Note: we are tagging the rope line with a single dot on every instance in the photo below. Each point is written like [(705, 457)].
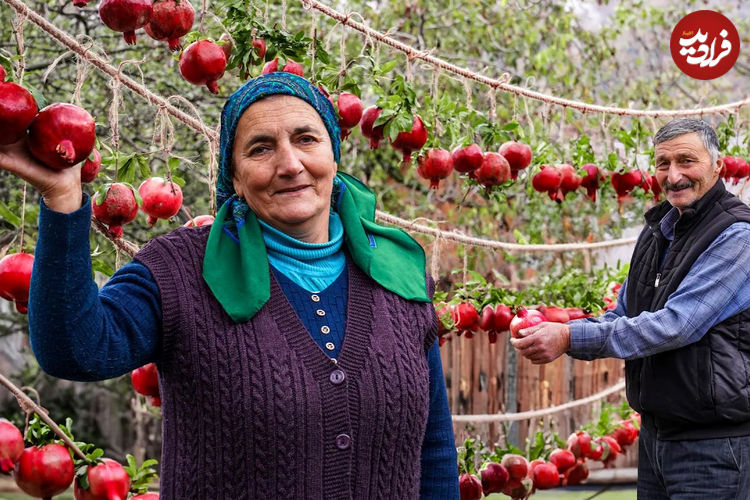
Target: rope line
[(527, 415), (413, 227), (502, 82)]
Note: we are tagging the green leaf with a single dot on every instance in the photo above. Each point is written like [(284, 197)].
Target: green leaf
[(173, 163), (178, 180), (100, 266), (7, 215)]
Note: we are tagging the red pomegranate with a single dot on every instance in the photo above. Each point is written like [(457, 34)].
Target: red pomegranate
[(563, 459), (62, 135), (91, 166), (350, 112), (260, 47), (579, 443), (570, 182), (294, 67), (375, 134), (126, 16), (203, 63), (625, 183), (80, 3), (146, 380), (17, 110), (466, 318), (576, 474), (525, 318), (467, 159), (201, 220), (518, 155), (107, 481), (545, 476), (15, 277), (470, 487), (547, 180), (495, 319), (555, 314), (117, 208), (655, 188), (170, 20), (591, 180), (516, 465), (161, 199), (493, 171), (271, 66), (435, 165), (731, 165), (743, 170), (11, 445), (44, 472), (494, 476), (412, 140)]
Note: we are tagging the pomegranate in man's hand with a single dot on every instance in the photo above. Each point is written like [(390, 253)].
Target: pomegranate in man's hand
[(62, 135), (525, 318)]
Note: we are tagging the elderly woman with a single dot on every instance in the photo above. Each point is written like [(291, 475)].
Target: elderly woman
[(295, 338)]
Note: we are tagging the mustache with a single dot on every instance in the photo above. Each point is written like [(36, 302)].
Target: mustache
[(668, 186)]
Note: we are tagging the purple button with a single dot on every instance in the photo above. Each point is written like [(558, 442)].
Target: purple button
[(337, 376), (343, 441)]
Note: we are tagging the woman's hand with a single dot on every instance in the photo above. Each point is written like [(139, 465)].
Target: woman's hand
[(61, 189)]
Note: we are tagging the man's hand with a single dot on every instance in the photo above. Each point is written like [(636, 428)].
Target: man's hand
[(543, 343)]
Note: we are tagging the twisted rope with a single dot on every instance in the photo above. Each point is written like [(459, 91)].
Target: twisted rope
[(502, 82), (528, 415)]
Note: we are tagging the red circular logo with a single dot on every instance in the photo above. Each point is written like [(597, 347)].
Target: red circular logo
[(705, 44)]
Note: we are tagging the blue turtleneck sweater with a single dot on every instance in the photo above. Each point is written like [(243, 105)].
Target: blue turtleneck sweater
[(131, 317)]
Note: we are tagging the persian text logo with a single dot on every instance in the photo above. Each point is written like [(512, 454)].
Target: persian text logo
[(705, 44)]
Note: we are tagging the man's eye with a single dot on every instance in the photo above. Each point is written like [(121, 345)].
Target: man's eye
[(258, 150)]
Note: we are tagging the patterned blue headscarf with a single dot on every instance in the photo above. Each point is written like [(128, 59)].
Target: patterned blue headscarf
[(279, 83)]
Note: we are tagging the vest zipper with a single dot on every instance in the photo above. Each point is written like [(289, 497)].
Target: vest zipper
[(656, 282)]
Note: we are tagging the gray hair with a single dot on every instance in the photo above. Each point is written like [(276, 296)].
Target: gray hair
[(682, 126)]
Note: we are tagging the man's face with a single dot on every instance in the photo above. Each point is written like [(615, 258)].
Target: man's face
[(684, 170)]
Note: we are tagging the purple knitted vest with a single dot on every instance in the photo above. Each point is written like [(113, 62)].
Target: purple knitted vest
[(258, 411)]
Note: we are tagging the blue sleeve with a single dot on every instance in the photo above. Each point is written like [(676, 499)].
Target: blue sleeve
[(439, 461), (77, 331), (715, 288)]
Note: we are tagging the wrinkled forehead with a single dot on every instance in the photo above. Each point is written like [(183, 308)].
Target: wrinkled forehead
[(277, 112), (685, 144)]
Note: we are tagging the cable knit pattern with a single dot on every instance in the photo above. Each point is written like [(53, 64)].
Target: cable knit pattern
[(251, 408)]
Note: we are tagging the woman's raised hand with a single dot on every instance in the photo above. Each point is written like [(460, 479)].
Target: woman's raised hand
[(61, 189)]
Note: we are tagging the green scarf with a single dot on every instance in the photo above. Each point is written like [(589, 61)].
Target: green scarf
[(238, 275)]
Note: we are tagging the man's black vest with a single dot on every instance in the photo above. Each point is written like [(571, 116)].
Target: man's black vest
[(701, 390)]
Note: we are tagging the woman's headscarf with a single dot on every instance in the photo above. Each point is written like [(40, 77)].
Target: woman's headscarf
[(235, 265)]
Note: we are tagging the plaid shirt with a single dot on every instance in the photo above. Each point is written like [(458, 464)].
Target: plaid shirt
[(716, 288)]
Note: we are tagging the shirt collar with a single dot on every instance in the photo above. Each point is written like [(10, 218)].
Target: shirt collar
[(667, 223)]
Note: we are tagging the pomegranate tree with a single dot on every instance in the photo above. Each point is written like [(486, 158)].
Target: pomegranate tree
[(161, 199), (434, 166), (170, 20), (15, 277), (467, 159), (44, 471), (411, 140), (525, 318), (126, 16), (17, 109), (62, 135), (115, 205), (91, 166), (107, 480), (11, 445), (350, 112), (374, 134), (518, 155), (203, 63)]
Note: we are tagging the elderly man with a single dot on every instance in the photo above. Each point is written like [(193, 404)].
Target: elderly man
[(682, 324)]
